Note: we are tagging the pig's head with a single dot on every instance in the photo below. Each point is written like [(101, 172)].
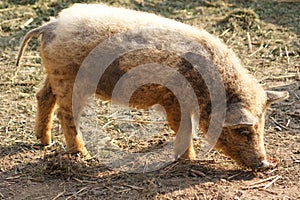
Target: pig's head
[(242, 137)]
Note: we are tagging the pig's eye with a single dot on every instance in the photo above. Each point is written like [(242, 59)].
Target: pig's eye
[(242, 131)]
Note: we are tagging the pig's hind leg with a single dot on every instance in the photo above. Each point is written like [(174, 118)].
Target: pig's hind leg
[(45, 107), (69, 118)]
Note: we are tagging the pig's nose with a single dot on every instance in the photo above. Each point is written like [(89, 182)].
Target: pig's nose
[(263, 164)]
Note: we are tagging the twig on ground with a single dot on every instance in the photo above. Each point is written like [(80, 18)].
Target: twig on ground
[(277, 123), (259, 49), (119, 191), (273, 170), (234, 175), (133, 187), (291, 75), (259, 185), (197, 172), (59, 195), (224, 32), (106, 124), (84, 181), (273, 181), (170, 167), (287, 55), (29, 21), (263, 180), (249, 41), (12, 177), (288, 123), (73, 195)]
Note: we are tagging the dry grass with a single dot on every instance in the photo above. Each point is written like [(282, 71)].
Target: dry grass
[(265, 35)]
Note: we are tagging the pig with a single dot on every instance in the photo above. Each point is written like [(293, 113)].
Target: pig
[(67, 40)]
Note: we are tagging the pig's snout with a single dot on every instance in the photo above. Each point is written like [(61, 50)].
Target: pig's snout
[(264, 164)]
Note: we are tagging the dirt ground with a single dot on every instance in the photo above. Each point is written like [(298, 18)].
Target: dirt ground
[(265, 35)]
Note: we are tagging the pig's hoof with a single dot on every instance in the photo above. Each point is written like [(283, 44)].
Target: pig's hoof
[(40, 146), (86, 155), (82, 152), (45, 140), (188, 156)]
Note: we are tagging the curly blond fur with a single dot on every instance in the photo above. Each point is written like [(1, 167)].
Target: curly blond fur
[(67, 40)]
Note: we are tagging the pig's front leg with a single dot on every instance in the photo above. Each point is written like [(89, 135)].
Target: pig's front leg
[(183, 144), (184, 128)]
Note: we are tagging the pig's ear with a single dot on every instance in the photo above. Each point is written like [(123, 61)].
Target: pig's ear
[(237, 115), (274, 96)]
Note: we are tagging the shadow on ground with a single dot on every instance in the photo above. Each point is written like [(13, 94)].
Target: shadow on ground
[(69, 175)]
